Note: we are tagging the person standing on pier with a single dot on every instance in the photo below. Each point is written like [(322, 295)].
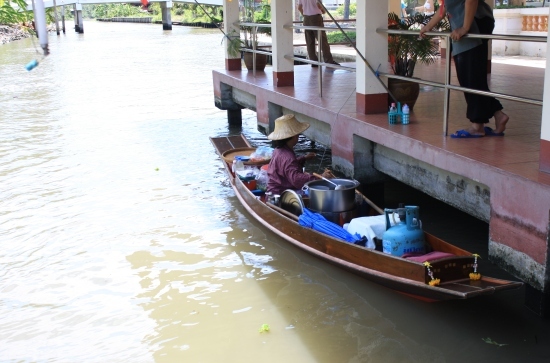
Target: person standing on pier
[(313, 16), (470, 56)]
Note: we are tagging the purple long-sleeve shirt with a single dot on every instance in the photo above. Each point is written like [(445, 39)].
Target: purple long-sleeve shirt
[(285, 171)]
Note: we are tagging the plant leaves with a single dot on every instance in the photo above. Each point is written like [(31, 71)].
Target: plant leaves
[(410, 49)]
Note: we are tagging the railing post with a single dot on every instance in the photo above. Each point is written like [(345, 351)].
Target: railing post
[(447, 92), (320, 68), (254, 40)]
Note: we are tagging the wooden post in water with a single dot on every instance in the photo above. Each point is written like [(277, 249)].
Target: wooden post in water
[(55, 17), (63, 18)]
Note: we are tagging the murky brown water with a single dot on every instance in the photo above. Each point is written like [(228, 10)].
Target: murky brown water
[(122, 241)]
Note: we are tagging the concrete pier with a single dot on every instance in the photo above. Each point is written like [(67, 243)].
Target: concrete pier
[(496, 179)]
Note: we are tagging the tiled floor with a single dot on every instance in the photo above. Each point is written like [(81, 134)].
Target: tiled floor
[(517, 152)]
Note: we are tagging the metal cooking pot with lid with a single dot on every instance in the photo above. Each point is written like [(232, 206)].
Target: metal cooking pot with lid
[(324, 198)]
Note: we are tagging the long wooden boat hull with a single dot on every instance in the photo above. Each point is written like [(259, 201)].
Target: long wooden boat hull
[(402, 275)]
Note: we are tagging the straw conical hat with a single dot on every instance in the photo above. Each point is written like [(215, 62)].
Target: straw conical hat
[(287, 126)]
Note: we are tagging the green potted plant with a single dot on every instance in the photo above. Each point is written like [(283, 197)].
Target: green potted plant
[(405, 51)]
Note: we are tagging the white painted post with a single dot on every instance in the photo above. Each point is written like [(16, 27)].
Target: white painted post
[(230, 17), (40, 24), (165, 7), (282, 41), (79, 22), (371, 94)]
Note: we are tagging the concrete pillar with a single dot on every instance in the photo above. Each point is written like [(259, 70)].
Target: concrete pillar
[(235, 117), (544, 163), (165, 7), (363, 156), (230, 17), (78, 21), (274, 112), (224, 101), (371, 96), (283, 69)]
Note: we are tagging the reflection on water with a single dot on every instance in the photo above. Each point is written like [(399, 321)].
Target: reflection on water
[(122, 240)]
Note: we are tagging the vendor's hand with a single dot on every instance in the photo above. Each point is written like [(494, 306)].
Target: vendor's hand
[(328, 174), (423, 30), (310, 156)]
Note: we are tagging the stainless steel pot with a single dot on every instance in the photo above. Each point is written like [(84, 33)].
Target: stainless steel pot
[(323, 197)]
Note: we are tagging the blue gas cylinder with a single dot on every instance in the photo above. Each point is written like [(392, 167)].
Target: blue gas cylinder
[(405, 236)]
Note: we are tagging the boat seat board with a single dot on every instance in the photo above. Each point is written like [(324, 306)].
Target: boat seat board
[(225, 143)]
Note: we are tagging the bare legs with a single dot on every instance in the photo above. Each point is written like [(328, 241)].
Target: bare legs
[(501, 119)]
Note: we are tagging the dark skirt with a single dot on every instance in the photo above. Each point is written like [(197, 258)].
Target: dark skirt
[(471, 70)]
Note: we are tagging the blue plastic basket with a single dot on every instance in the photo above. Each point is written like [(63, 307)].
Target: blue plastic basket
[(392, 117)]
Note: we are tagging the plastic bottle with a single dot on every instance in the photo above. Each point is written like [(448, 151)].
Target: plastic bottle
[(31, 65), (405, 116), (233, 166), (392, 115), (239, 164)]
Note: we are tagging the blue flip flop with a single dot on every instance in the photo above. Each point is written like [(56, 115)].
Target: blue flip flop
[(463, 134), (490, 132)]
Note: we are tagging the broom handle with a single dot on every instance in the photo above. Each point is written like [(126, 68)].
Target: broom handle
[(369, 202)]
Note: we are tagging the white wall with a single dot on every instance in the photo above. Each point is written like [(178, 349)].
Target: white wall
[(509, 21)]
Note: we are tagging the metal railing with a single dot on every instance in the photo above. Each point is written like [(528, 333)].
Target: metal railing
[(319, 64), (319, 30), (446, 85), (254, 41)]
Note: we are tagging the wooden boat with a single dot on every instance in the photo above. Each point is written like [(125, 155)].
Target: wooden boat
[(397, 273)]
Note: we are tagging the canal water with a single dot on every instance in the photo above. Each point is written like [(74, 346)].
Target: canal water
[(122, 240)]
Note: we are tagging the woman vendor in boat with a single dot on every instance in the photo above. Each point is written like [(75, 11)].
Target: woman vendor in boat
[(285, 168)]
